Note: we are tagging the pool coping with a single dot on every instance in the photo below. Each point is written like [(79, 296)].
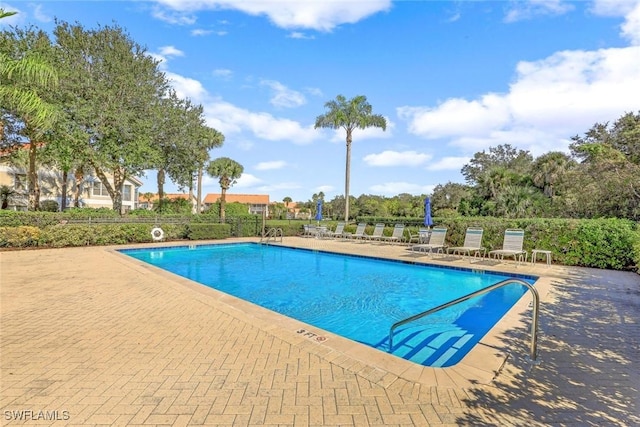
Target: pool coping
[(479, 366)]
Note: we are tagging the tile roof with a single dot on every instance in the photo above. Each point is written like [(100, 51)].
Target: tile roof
[(258, 199)]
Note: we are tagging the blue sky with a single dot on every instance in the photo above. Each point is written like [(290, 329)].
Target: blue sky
[(452, 78)]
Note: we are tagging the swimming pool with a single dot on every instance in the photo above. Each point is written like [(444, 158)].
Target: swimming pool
[(353, 296)]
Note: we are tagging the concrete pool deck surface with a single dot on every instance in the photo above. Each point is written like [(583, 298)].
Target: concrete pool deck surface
[(92, 337)]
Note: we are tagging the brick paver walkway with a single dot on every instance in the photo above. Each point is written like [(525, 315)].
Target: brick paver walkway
[(91, 338)]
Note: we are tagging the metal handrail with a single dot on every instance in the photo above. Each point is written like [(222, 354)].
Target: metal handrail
[(534, 321), (273, 232)]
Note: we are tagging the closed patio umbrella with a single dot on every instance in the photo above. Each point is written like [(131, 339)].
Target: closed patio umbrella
[(319, 210), (428, 221)]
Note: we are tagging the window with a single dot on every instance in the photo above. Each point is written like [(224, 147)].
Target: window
[(99, 189), (20, 182), (126, 193)]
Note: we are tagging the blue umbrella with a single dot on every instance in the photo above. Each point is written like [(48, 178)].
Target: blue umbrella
[(428, 221), (319, 210)]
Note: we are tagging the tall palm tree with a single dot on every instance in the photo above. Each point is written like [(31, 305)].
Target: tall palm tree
[(349, 115), (227, 171)]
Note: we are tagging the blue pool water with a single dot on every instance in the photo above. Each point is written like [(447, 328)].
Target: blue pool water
[(355, 297)]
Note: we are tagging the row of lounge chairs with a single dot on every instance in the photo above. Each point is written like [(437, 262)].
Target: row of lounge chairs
[(359, 234), (472, 246), (431, 241)]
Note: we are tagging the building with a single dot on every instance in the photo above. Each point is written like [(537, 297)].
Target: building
[(256, 203), (92, 192)]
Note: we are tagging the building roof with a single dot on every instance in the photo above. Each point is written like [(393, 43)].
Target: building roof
[(257, 199)]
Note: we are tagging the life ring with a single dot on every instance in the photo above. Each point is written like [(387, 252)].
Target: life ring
[(157, 233)]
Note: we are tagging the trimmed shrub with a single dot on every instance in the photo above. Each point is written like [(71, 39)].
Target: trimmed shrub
[(19, 237), (208, 231)]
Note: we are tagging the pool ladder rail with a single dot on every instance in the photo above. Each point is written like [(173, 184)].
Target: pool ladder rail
[(534, 321), (273, 233)]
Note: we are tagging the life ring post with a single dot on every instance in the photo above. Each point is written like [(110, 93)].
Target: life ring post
[(157, 234)]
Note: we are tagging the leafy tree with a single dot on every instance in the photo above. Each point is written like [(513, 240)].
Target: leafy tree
[(607, 181), (227, 171), (355, 113), (183, 142), (503, 156), (449, 196), (121, 88)]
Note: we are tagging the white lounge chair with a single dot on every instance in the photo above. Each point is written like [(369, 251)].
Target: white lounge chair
[(338, 232), (472, 244), (511, 246), (396, 236), (377, 233), (436, 242), (359, 233)]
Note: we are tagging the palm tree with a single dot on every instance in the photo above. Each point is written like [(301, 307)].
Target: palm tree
[(227, 171), (21, 80), (18, 78), (548, 169), (349, 115)]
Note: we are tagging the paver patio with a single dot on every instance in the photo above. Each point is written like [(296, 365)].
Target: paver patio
[(92, 337)]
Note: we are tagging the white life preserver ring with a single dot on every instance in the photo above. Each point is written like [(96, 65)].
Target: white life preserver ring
[(157, 233)]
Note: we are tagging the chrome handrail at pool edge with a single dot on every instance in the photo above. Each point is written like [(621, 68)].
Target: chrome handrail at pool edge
[(273, 232), (534, 320)]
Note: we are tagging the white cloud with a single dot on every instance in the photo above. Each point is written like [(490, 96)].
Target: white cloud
[(549, 101), (171, 17), (186, 87), (629, 10), (631, 26), (316, 15), (397, 158), (314, 91), (40, 15), (200, 32), (395, 188), (275, 164), (170, 51), (229, 119), (247, 180), (325, 189), (456, 116), (448, 163), (283, 96), (522, 10), (299, 35), (279, 187), (223, 73)]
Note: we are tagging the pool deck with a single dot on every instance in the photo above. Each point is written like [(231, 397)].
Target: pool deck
[(93, 337)]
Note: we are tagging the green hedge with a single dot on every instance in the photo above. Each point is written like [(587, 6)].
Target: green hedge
[(208, 231), (602, 243)]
